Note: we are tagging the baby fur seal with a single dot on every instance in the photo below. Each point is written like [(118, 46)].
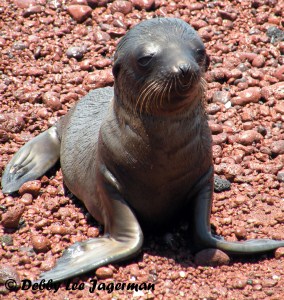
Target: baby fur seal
[(141, 160)]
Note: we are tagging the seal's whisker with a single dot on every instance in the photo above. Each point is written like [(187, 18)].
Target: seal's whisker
[(146, 95), (169, 92), (157, 94), (149, 98), (165, 91), (177, 86), (146, 88)]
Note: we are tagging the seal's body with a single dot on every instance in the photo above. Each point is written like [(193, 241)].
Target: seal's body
[(139, 154)]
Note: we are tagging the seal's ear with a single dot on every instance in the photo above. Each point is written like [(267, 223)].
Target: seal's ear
[(115, 69), (116, 65), (207, 62)]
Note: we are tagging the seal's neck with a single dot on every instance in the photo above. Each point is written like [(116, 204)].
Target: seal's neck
[(181, 111), (165, 126)]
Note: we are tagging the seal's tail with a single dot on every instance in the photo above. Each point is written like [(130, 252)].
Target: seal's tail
[(123, 241), (91, 254), (204, 237), (32, 160)]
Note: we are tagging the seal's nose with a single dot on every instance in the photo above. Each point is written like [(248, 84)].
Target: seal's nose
[(184, 69)]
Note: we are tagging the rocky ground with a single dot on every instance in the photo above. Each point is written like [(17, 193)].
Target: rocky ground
[(53, 52)]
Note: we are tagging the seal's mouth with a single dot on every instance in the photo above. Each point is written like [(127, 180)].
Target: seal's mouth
[(171, 93)]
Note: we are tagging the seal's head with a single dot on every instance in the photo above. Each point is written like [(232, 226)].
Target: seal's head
[(163, 59)]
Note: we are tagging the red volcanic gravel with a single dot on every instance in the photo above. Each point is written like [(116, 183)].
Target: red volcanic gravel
[(53, 52)]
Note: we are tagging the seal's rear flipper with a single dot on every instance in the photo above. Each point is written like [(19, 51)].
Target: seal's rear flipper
[(204, 237), (82, 257), (32, 160)]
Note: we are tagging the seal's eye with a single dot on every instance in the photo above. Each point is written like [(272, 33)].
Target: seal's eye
[(200, 52), (144, 60)]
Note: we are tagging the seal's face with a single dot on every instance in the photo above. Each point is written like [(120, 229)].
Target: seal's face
[(163, 59)]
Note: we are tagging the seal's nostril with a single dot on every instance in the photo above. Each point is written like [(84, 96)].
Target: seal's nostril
[(184, 69)]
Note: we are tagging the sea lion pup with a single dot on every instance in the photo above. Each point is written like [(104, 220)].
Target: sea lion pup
[(143, 159)]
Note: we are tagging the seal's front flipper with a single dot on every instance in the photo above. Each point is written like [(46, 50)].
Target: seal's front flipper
[(124, 241), (204, 237), (32, 160)]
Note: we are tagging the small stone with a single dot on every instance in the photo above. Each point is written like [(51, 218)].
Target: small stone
[(102, 63), (25, 3), (11, 218), (213, 108), (182, 274), (52, 204), (51, 99), (79, 2), (217, 151), (279, 73), (48, 263), (280, 176), (221, 96), (117, 32), (99, 3), (258, 61), (277, 147), (226, 221), (197, 24), (269, 282), (134, 270), (79, 12), (279, 252), (104, 273), (273, 91), (58, 229), (143, 4), (279, 218), (40, 224), (86, 65), (101, 37), (100, 78), (221, 184), (37, 52), (64, 212), (252, 94), (42, 113), (31, 187), (262, 130), (249, 137), (124, 7), (4, 136), (219, 138), (232, 16), (230, 170), (93, 232), (239, 283), (241, 233), (20, 45), (76, 52), (9, 273), (215, 128), (27, 199), (279, 108), (69, 97), (24, 96), (174, 276), (6, 240), (275, 34), (211, 257), (32, 10), (40, 243)]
